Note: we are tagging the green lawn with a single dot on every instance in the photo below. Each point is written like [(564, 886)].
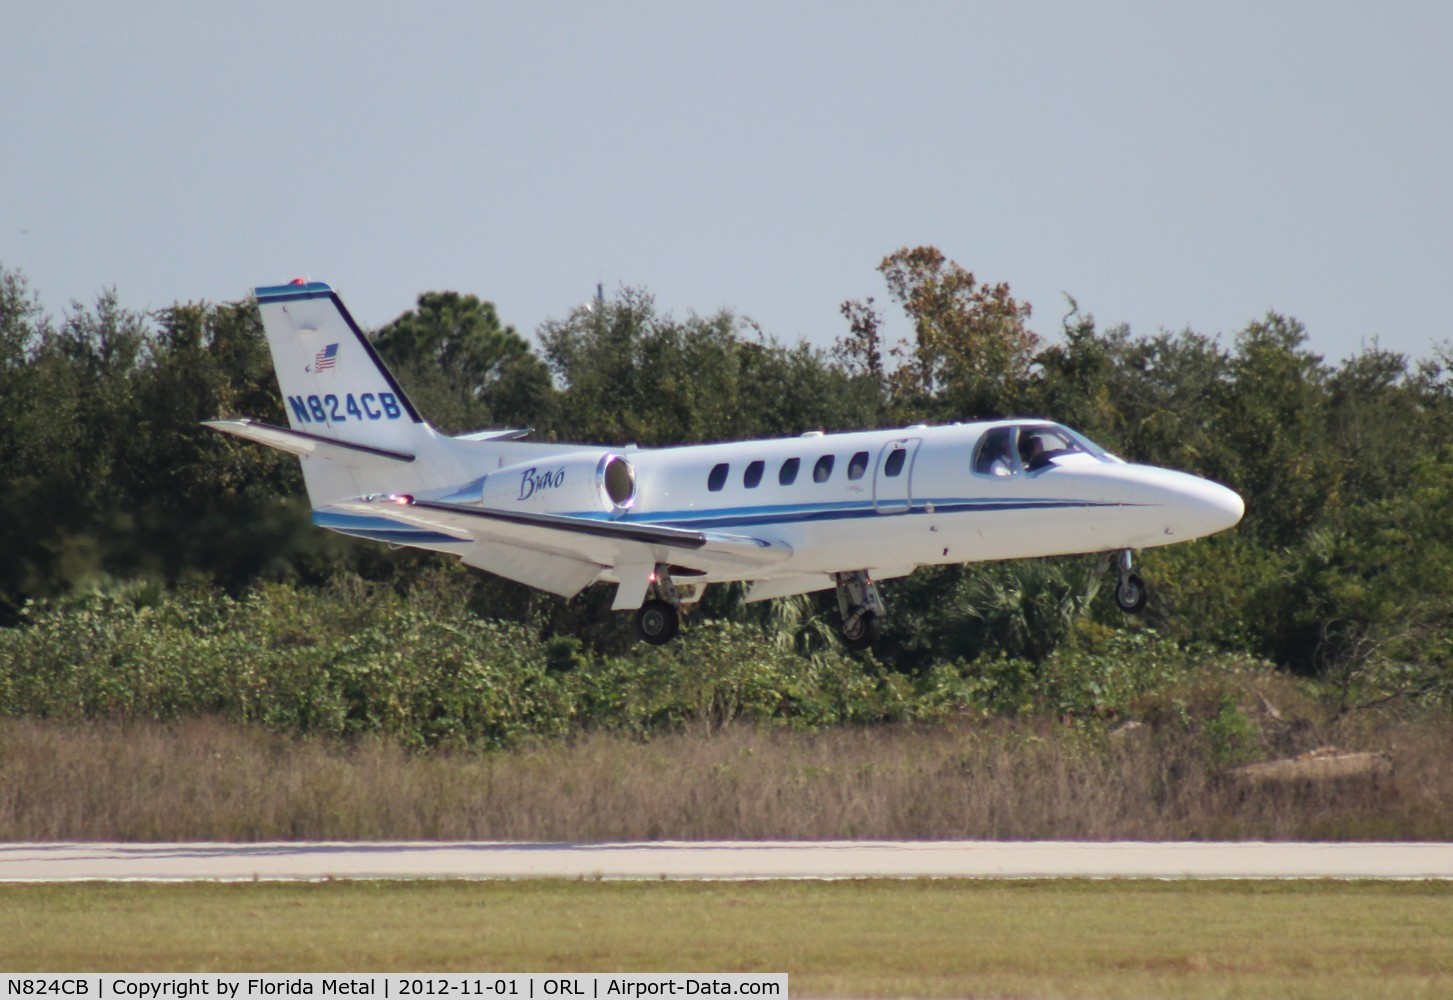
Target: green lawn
[(868, 938)]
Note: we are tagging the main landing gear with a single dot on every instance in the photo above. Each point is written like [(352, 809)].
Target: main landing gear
[(1130, 590), (657, 622), (659, 618), (862, 608)]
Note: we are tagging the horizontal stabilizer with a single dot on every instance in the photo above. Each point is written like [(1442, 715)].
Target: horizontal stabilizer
[(302, 443), (506, 435)]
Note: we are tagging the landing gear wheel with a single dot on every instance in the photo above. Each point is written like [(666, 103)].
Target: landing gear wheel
[(657, 622), (864, 632), (1130, 594)]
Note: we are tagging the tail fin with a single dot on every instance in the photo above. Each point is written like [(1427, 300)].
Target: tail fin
[(348, 420), (336, 389), (332, 380)]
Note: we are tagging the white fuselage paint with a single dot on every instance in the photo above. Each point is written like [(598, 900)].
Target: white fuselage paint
[(918, 496), (937, 510)]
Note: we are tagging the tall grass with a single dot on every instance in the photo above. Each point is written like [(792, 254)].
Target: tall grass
[(210, 780)]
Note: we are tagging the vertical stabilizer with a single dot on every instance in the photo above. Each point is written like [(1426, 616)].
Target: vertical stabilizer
[(335, 386), (332, 380)]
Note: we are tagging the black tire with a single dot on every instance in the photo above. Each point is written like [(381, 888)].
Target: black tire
[(1130, 594), (866, 631), (657, 622)]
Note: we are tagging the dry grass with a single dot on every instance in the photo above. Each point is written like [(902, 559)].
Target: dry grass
[(869, 938), (208, 780)]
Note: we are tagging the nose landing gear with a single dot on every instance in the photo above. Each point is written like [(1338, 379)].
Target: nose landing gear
[(861, 607), (1130, 589)]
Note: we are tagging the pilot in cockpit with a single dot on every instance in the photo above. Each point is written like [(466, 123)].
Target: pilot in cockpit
[(1031, 447), (1003, 464)]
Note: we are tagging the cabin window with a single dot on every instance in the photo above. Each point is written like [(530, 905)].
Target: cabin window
[(858, 465), (822, 470), (894, 465), (718, 477), (752, 478), (787, 475)]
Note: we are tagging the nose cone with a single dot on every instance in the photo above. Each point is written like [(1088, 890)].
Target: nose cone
[(1181, 506), (1215, 507)]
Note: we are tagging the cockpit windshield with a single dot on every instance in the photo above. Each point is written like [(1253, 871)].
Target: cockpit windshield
[(1024, 448)]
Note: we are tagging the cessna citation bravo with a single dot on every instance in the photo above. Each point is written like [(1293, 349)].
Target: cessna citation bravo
[(790, 516)]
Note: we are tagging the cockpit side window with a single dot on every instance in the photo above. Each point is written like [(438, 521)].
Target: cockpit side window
[(1008, 451), (1041, 444), (995, 456), (1038, 446)]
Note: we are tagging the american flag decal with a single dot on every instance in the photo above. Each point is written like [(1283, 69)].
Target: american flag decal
[(327, 358)]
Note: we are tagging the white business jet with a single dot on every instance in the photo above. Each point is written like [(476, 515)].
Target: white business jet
[(790, 515)]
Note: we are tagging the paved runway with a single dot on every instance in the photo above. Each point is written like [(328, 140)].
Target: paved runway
[(721, 860)]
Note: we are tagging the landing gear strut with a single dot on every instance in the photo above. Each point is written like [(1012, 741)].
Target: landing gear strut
[(659, 618), (862, 608), (1130, 590)]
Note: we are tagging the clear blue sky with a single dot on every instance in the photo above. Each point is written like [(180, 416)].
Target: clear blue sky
[(1169, 165)]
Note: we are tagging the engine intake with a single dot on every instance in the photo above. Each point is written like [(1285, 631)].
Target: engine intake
[(589, 481), (618, 480)]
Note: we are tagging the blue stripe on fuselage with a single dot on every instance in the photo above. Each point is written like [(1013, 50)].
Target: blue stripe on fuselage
[(386, 530), (744, 517)]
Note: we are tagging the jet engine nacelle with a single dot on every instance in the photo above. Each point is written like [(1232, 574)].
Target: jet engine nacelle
[(589, 481)]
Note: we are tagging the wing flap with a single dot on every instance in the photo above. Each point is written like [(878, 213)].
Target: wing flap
[(548, 571)]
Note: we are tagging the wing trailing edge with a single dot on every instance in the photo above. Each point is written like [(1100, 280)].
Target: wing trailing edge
[(588, 546)]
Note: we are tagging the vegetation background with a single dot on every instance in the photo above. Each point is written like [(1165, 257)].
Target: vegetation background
[(151, 569)]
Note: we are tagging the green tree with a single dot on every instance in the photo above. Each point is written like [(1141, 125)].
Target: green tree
[(1078, 377), (74, 400), (1283, 463), (972, 353), (463, 367), (1367, 596), (1382, 418), (629, 374)]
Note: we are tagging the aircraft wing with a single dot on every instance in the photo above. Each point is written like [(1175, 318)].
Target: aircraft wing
[(562, 553)]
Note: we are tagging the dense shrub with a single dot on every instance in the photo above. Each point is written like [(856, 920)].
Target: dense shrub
[(349, 661), (340, 663)]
